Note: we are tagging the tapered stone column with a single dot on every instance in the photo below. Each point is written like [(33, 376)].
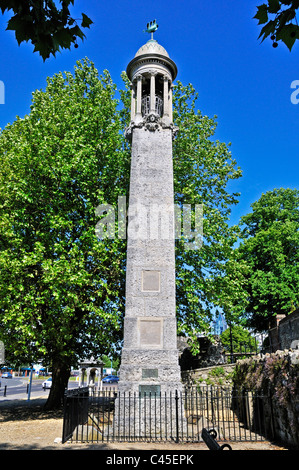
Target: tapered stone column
[(149, 361), (149, 357)]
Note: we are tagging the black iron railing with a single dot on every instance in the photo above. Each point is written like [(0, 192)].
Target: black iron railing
[(95, 416), (76, 410)]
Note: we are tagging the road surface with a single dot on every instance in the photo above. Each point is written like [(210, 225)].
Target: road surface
[(16, 388)]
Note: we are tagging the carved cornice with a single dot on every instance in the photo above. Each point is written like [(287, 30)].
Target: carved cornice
[(152, 123)]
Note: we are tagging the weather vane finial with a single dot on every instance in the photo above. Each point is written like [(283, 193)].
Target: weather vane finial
[(151, 27)]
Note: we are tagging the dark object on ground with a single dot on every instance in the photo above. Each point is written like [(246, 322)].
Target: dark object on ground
[(209, 436)]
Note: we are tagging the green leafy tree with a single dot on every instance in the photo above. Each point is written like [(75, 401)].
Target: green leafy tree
[(62, 289), (203, 168), (279, 21), (210, 276), (107, 362), (270, 247), (237, 339), (49, 28)]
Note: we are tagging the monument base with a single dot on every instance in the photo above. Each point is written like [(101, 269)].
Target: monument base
[(150, 401), (149, 416)]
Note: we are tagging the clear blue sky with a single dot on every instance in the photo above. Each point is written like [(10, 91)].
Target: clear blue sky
[(215, 46)]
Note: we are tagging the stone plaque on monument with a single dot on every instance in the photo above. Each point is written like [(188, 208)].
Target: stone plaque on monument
[(150, 281), (149, 373), (150, 332), (146, 390)]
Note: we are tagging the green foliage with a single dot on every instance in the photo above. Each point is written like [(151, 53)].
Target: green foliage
[(216, 377), (107, 362), (49, 28), (202, 170), (61, 289), (270, 247), (241, 338), (283, 25)]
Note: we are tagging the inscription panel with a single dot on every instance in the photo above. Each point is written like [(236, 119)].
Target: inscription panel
[(147, 390), (150, 332), (151, 281), (149, 373)]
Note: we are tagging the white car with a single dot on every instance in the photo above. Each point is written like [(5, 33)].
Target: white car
[(47, 383)]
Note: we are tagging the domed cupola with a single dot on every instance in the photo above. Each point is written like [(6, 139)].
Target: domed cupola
[(151, 47), (151, 73)]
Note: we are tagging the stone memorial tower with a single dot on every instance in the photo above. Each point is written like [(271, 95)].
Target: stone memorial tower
[(149, 361)]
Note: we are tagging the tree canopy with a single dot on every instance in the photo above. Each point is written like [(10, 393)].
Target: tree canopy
[(279, 21), (203, 167), (270, 249), (62, 289), (238, 339), (48, 27)]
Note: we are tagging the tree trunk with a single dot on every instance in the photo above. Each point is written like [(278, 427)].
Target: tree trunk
[(60, 377)]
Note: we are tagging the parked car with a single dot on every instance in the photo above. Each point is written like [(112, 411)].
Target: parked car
[(6, 375), (47, 383), (110, 379)]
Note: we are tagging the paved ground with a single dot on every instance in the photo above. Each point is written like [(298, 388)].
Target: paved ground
[(25, 426)]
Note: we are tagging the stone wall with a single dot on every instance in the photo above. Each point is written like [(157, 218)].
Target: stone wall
[(285, 334), (275, 375), (288, 331), (210, 353), (220, 375)]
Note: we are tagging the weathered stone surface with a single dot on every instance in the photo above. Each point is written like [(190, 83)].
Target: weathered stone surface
[(274, 375), (150, 342), (151, 281), (150, 332), (150, 319)]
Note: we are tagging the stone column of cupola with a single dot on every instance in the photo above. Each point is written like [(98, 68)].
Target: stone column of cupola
[(136, 97), (170, 113), (152, 91), (133, 102), (166, 102), (139, 97)]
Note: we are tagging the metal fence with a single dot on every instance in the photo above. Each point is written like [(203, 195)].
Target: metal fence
[(101, 416)]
